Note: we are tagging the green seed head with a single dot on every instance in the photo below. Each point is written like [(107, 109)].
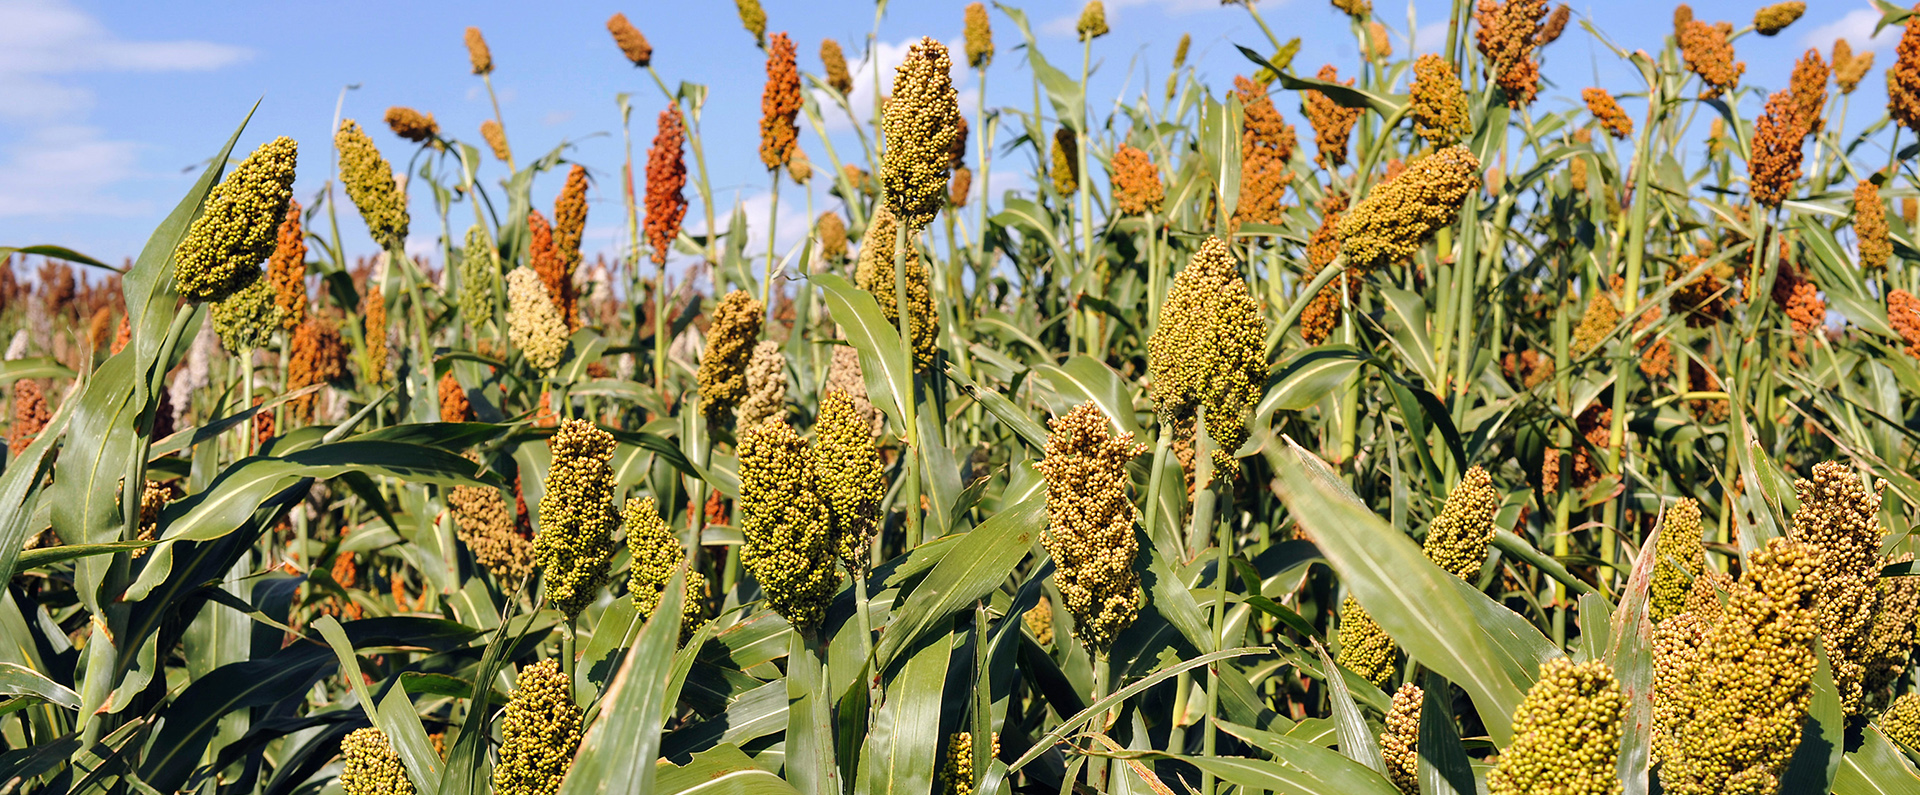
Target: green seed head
[(656, 553), (1901, 722), (369, 765), (979, 36), (874, 273), (539, 732), (246, 319), (1365, 648), (1093, 21), (922, 121), (1457, 539), (238, 227), (1209, 350), (1566, 734), (790, 544), (1680, 559), (575, 544), (852, 482), (1090, 523), (957, 778), (479, 278), (370, 184)]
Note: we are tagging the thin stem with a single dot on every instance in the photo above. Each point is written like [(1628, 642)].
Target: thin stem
[(500, 120), (1157, 478), (910, 402), (773, 220)]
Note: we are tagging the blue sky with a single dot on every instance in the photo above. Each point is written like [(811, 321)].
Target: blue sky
[(107, 109)]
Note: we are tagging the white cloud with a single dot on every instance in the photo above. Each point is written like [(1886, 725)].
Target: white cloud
[(1431, 37), (56, 164), (557, 118), (891, 56), (1068, 25), (793, 224), (1857, 28), (62, 170)]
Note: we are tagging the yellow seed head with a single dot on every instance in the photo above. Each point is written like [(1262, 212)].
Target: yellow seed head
[(477, 52), (630, 40), (496, 138), (979, 36), (486, 525), (575, 544), (1771, 20), (1090, 523), (1439, 104), (412, 124), (1870, 226), (539, 732), (1901, 722), (479, 278), (238, 227), (370, 183), (1838, 517), (754, 19), (1093, 21), (1399, 215), (922, 119), (1039, 621), (835, 62), (730, 338)]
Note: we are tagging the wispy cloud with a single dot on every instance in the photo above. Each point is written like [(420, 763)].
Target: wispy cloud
[(1857, 28), (55, 163)]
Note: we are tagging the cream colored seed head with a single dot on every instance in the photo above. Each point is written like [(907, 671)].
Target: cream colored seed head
[(369, 765), (238, 227), (789, 539), (575, 544), (539, 732), (1090, 523), (766, 385), (1566, 734), (922, 119), (1457, 539), (1398, 216), (534, 325)]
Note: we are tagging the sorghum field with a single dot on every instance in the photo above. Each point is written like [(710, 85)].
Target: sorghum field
[(1452, 445)]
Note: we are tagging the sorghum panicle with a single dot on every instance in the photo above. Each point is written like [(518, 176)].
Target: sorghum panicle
[(287, 268), (477, 53), (246, 319), (534, 324), (369, 765), (488, 527), (370, 184), (1093, 21), (1400, 739), (1090, 523), (373, 332), (1901, 722), (831, 232), (1267, 142), (1870, 226), (1838, 517), (630, 40), (539, 732), (1398, 216), (766, 385), (666, 181), (874, 273), (656, 553), (1065, 162), (979, 36), (1607, 112), (575, 544), (1332, 122), (1365, 648), (496, 138), (1439, 102), (1849, 68), (730, 338), (789, 539), (1136, 182), (1679, 559), (1508, 37), (412, 125), (779, 104), (920, 124), (1566, 734), (852, 482), (1709, 54), (1457, 539), (1769, 21), (835, 61), (754, 19), (479, 277), (238, 226)]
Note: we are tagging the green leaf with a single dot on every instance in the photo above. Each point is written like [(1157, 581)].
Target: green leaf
[(55, 252), (1299, 767), (400, 720), (1412, 599), (999, 406), (1444, 766), (991, 551), (47, 556), (1631, 658), (33, 367), (1084, 378), (900, 751), (196, 712), (1877, 768), (19, 680), (723, 770), (617, 755), (1387, 105), (883, 357), (1311, 375), (1356, 740), (1104, 705)]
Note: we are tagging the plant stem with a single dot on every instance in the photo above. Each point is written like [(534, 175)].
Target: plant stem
[(909, 402), (773, 220), (499, 119)]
